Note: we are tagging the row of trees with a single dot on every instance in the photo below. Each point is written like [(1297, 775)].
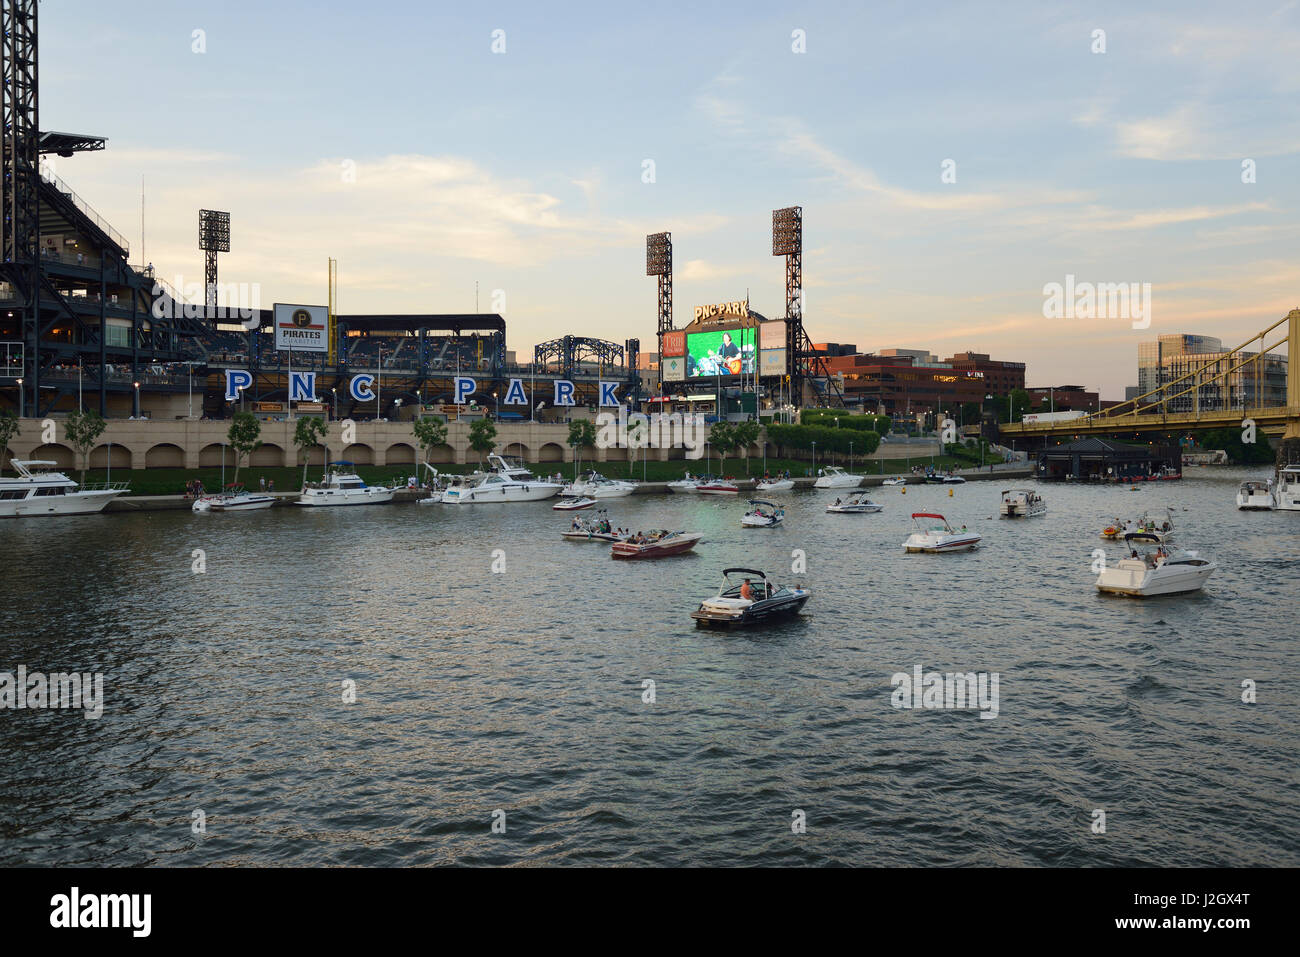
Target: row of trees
[(829, 440)]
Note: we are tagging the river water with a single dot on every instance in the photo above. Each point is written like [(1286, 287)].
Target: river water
[(521, 690)]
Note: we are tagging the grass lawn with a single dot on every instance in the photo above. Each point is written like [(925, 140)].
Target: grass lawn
[(172, 481)]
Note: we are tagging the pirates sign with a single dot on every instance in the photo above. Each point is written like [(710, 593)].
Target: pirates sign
[(301, 328)]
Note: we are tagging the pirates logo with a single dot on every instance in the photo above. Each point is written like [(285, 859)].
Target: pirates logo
[(301, 318)]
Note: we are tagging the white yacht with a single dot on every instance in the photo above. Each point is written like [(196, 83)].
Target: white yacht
[(344, 487), (1022, 503), (596, 485), (38, 491), (506, 482), (1286, 490), (832, 476), (1255, 496), (855, 504), (689, 485), (775, 485), (1158, 572), (234, 499), (936, 535)]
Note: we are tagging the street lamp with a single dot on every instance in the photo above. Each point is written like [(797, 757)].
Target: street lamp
[(137, 399), (22, 399), (419, 405), (814, 445), (498, 405), (335, 393)]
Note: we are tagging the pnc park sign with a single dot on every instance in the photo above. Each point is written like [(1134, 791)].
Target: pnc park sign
[(302, 388)]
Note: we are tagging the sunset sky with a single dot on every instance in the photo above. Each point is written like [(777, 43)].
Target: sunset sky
[(391, 137)]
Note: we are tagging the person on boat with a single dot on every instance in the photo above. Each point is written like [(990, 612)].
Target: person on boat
[(1134, 554), (837, 501), (746, 592)]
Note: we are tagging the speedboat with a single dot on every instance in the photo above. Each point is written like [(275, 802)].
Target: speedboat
[(775, 485), (896, 480), (1145, 527), (953, 480), (1255, 496), (933, 534), (766, 601), (1155, 572), (1022, 503), (656, 544), (573, 504), (234, 499), (506, 482), (596, 485), (855, 504), (718, 487), (832, 476), (344, 487), (584, 529), (38, 491), (689, 484), (1286, 490), (763, 515)]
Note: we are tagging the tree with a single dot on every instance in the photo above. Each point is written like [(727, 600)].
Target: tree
[(636, 438), (746, 435), (482, 437), (582, 435), (8, 429), (244, 433), (308, 434), (430, 433), (82, 430), (1020, 403), (723, 439)]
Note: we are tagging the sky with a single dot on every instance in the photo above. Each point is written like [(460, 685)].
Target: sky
[(393, 138)]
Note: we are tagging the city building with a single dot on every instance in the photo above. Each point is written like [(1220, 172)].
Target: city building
[(1170, 357), (904, 382), (1064, 398)]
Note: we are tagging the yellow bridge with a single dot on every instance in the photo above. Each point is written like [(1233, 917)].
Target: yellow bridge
[(1146, 413)]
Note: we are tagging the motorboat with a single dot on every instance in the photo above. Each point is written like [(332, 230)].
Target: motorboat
[(595, 529), (1155, 572), (718, 487), (595, 485), (832, 476), (1286, 489), (38, 491), (688, 485), (1022, 503), (953, 480), (1146, 527), (655, 544), (573, 504), (933, 534), (752, 600), (775, 485), (234, 499), (1255, 496), (763, 515), (344, 487), (896, 480), (855, 504), (506, 481)]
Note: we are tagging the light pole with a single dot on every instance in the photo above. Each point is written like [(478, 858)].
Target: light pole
[(814, 447), (419, 405), (335, 393), (497, 401), (137, 399), (22, 400)]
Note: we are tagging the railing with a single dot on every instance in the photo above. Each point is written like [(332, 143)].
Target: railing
[(86, 208)]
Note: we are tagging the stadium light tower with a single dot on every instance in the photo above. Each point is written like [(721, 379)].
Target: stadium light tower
[(214, 237), (787, 241), (659, 262)]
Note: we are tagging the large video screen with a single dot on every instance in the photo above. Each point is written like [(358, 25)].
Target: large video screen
[(724, 352)]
